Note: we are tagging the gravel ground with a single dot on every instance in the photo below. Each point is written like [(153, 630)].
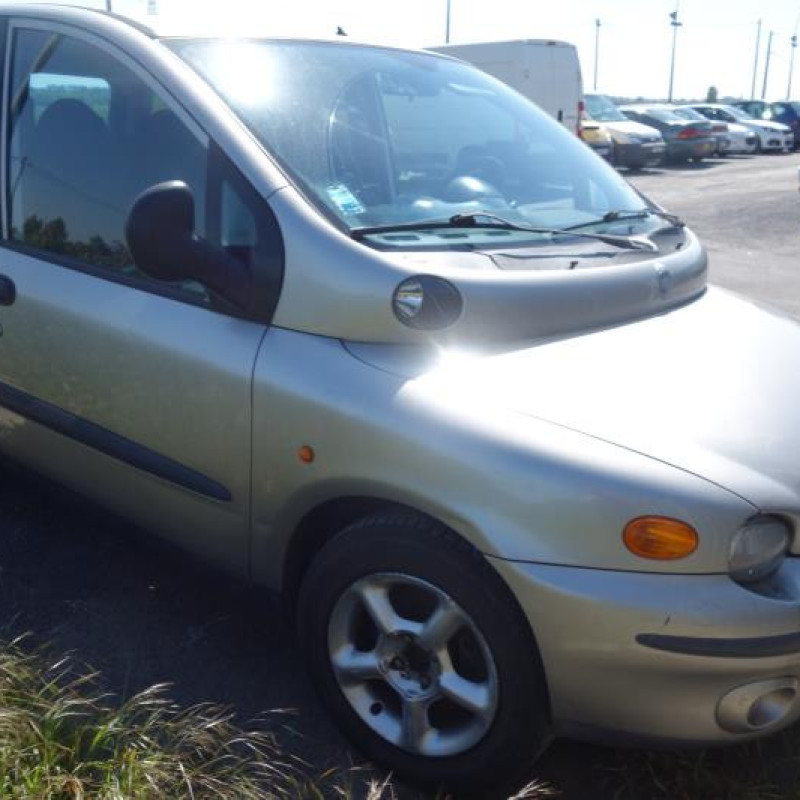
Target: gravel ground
[(142, 613)]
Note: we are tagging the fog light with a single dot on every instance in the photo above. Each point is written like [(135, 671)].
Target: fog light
[(660, 538), (427, 302), (757, 706)]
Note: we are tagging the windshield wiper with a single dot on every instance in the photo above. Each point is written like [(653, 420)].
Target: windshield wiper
[(495, 222), (640, 213)]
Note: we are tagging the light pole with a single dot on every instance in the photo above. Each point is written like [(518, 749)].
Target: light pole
[(673, 21), (793, 41), (766, 66), (108, 6), (447, 25), (755, 63), (597, 25)]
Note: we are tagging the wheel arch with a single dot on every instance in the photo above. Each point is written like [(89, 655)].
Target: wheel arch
[(323, 521)]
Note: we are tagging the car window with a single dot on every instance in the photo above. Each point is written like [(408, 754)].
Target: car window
[(88, 136), (374, 136)]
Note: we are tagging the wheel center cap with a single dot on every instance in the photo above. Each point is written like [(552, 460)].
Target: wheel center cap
[(410, 668)]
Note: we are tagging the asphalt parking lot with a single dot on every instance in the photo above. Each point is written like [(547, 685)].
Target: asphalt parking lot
[(140, 613), (746, 210)]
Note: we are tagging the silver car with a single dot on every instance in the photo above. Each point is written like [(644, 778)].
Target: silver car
[(365, 326)]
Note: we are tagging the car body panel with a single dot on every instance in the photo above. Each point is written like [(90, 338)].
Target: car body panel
[(743, 448), (131, 363), (364, 419), (592, 657)]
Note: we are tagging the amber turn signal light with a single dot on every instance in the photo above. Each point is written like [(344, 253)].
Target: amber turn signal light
[(306, 454), (660, 538)]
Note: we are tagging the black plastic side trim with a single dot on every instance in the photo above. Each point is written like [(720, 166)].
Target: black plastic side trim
[(759, 647), (109, 443)]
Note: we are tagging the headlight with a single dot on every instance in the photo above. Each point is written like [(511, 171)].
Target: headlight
[(758, 549), (427, 302)]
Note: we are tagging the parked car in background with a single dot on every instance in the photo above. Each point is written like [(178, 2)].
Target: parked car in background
[(786, 112), (772, 136), (718, 129), (685, 139), (755, 108), (735, 138), (635, 145), (598, 138), (545, 71)]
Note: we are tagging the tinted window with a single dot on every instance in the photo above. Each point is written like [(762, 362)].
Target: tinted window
[(600, 108), (85, 142), (88, 136)]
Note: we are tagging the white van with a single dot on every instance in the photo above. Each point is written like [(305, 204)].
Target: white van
[(545, 71)]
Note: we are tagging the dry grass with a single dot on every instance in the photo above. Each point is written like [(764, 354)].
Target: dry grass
[(62, 738)]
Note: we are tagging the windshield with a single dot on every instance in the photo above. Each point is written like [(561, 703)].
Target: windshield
[(738, 113), (662, 114), (688, 113), (377, 137), (601, 109)]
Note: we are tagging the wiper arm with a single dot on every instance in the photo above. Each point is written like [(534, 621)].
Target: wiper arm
[(621, 215), (496, 222)]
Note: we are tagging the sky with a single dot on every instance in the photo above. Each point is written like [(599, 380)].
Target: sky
[(716, 45)]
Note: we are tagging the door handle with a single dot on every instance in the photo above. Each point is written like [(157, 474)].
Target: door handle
[(8, 291)]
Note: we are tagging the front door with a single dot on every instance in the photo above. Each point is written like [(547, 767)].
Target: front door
[(133, 391)]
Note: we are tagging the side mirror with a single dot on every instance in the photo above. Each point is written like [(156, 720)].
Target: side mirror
[(161, 239)]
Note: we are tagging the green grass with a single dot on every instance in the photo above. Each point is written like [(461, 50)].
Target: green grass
[(62, 738)]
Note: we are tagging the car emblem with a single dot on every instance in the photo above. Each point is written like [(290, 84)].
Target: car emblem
[(663, 278)]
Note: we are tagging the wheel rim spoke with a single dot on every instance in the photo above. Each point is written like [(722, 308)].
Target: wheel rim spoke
[(393, 669), (353, 665), (442, 625), (415, 725), (375, 598), (474, 697)]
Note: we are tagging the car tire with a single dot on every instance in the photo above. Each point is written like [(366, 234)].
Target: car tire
[(374, 677)]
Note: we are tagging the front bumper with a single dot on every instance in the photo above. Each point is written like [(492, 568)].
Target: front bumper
[(777, 141), (655, 657)]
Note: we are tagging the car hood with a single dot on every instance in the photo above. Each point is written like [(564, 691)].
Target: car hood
[(711, 388), (775, 126), (631, 127)]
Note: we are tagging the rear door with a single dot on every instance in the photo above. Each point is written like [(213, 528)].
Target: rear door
[(133, 391)]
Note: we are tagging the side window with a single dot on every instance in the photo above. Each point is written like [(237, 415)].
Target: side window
[(88, 135)]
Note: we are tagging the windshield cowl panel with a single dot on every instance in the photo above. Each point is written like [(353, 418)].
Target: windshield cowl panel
[(336, 287)]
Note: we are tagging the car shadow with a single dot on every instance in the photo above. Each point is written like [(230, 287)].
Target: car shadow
[(83, 581)]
